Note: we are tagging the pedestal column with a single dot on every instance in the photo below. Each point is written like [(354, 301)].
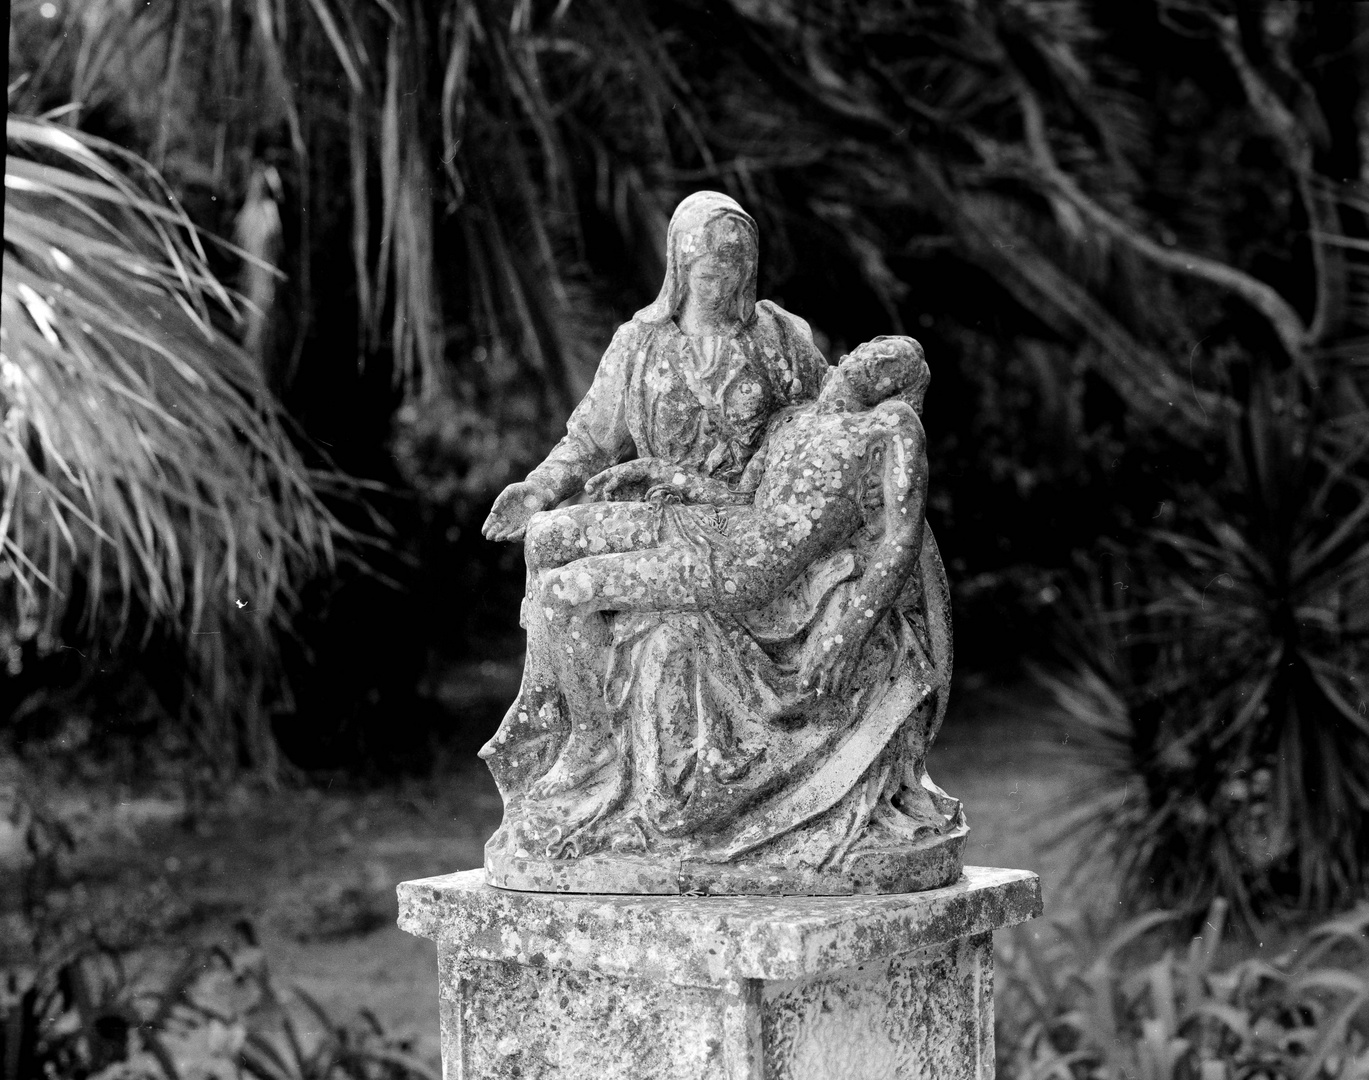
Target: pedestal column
[(739, 988)]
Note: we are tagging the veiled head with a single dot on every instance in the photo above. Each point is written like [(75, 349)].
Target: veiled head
[(711, 241)]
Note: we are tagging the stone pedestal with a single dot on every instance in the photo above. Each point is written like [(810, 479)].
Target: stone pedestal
[(739, 987)]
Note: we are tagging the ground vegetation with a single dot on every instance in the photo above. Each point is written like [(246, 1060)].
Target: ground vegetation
[(1130, 237)]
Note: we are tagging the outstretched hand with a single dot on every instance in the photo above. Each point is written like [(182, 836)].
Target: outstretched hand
[(513, 509)]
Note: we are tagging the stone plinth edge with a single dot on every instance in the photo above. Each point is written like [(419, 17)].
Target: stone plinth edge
[(708, 940)]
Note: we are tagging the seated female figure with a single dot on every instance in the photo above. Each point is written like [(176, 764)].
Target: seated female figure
[(781, 672)]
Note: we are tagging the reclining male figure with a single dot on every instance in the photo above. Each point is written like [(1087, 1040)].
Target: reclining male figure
[(824, 467)]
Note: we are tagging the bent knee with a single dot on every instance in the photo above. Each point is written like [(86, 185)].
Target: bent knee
[(551, 540)]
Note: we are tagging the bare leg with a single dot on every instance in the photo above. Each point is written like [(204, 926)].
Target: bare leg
[(701, 567), (557, 537)]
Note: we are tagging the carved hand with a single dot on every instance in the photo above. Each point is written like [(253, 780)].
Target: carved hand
[(657, 480), (630, 481), (664, 493), (830, 661), (513, 509)]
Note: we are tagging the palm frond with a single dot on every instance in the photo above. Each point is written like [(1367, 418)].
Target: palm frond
[(142, 454)]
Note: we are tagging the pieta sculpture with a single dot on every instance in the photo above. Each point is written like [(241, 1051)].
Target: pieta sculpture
[(739, 646)]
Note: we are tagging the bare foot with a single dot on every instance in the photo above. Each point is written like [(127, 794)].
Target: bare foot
[(578, 761)]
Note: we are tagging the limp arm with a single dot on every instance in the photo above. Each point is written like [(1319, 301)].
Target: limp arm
[(835, 645)]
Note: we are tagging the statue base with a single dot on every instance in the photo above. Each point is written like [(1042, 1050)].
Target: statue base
[(535, 984), (929, 864)]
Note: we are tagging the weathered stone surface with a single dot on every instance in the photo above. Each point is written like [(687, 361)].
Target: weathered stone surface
[(707, 940), (926, 863), (510, 1020), (739, 650), (802, 988), (922, 1014)]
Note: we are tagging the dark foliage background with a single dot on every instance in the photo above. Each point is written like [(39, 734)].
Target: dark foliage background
[(1131, 238)]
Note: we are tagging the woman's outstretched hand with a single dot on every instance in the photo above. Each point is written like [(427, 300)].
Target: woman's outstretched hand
[(511, 512)]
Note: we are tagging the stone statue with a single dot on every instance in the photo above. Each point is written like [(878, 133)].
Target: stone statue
[(739, 649)]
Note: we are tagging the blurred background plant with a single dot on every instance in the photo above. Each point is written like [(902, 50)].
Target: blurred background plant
[(1221, 676), (1084, 1002), (1221, 655), (218, 1014), (1131, 238), (150, 483)]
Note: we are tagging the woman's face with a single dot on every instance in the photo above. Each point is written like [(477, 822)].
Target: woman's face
[(714, 277), (719, 261)]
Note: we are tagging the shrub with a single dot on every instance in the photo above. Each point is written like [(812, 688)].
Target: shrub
[(1075, 1006), (218, 1016), (1224, 670)]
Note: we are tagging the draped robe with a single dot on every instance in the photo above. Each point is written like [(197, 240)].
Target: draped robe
[(678, 690)]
